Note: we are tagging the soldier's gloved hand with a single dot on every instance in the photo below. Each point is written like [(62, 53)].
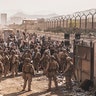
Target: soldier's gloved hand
[(44, 72), (33, 74)]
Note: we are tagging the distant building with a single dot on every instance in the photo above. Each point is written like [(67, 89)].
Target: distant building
[(41, 25), (15, 20), (28, 24), (3, 19), (41, 20)]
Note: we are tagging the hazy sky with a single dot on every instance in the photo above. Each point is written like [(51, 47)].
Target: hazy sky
[(39, 6)]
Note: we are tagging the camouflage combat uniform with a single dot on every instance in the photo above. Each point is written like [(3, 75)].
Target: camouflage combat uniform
[(62, 58), (44, 60), (69, 71), (27, 54), (36, 61), (28, 72), (51, 71), (14, 64), (1, 70), (6, 64)]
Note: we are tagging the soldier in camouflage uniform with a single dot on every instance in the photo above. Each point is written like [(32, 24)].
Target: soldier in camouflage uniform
[(14, 63), (1, 70), (68, 72), (56, 56), (44, 60), (27, 54), (15, 67), (28, 72), (51, 72), (62, 57), (6, 63), (1, 54), (36, 61)]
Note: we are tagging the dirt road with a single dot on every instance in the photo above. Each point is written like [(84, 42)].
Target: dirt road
[(13, 86)]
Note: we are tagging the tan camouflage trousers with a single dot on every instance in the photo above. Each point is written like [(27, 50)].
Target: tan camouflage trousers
[(52, 76), (6, 69), (27, 77), (68, 83), (14, 70), (0, 76)]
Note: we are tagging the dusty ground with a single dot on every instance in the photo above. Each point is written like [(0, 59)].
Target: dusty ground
[(13, 86)]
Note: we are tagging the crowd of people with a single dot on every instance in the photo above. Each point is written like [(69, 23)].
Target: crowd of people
[(35, 53)]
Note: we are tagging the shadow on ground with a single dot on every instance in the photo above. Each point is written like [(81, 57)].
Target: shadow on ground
[(16, 93), (52, 92)]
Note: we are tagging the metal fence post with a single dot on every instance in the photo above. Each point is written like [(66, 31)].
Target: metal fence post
[(92, 61)]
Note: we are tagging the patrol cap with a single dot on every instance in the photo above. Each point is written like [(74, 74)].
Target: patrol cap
[(66, 55), (36, 49), (68, 58)]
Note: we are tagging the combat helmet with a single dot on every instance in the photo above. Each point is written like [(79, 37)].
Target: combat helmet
[(27, 60), (69, 58)]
